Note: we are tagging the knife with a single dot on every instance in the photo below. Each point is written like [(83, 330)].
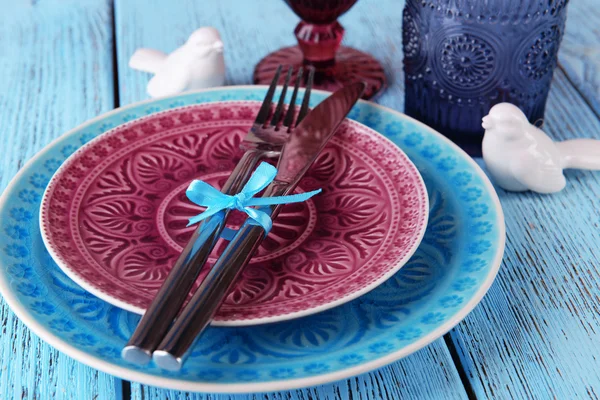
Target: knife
[(166, 304), (299, 152)]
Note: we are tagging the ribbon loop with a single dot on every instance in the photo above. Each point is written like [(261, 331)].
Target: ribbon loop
[(203, 194)]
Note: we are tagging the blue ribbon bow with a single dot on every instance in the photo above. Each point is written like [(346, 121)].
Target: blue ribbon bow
[(215, 201)]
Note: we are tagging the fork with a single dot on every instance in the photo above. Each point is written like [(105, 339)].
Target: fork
[(264, 140)]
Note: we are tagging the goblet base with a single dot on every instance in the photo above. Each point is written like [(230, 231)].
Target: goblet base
[(350, 66)]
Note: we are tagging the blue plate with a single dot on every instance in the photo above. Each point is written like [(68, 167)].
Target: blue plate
[(448, 275)]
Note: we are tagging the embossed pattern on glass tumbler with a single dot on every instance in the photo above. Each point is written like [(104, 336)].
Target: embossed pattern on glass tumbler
[(463, 57)]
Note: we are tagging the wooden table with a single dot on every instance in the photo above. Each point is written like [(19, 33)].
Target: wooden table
[(535, 335)]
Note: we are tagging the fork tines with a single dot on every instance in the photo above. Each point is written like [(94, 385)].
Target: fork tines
[(288, 120)]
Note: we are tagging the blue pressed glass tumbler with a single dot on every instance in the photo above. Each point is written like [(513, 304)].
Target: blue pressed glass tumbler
[(463, 56)]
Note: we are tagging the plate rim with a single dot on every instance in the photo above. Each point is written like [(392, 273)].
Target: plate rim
[(276, 385), (74, 276)]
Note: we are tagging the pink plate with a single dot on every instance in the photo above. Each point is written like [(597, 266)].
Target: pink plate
[(114, 215)]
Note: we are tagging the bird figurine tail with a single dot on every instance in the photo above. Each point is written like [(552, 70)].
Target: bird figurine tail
[(147, 60), (580, 153)]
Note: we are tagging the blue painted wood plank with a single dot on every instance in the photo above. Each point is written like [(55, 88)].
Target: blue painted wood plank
[(55, 58), (250, 30), (423, 375), (579, 55), (537, 332)]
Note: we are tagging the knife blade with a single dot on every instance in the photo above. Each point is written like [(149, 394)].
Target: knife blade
[(170, 297), (300, 151)]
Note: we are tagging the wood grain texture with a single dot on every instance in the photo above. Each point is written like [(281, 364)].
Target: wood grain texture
[(537, 331), (579, 54), (423, 375), (536, 334), (250, 30), (56, 72)]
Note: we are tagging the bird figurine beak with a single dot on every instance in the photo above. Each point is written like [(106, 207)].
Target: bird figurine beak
[(487, 122), (218, 46)]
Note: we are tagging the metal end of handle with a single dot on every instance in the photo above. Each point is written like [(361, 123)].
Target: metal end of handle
[(136, 355), (166, 360)]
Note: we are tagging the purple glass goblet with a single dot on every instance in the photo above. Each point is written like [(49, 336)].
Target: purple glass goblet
[(319, 35)]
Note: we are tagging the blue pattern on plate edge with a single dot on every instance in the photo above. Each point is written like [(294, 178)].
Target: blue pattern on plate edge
[(449, 266)]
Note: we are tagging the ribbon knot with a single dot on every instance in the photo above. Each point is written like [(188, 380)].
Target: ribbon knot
[(203, 194), (239, 201)]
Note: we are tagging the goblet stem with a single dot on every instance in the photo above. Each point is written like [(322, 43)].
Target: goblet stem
[(319, 42)]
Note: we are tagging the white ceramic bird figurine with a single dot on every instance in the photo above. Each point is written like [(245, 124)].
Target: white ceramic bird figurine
[(198, 64), (520, 156)]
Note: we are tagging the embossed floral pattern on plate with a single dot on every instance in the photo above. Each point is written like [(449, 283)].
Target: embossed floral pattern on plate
[(115, 214)]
